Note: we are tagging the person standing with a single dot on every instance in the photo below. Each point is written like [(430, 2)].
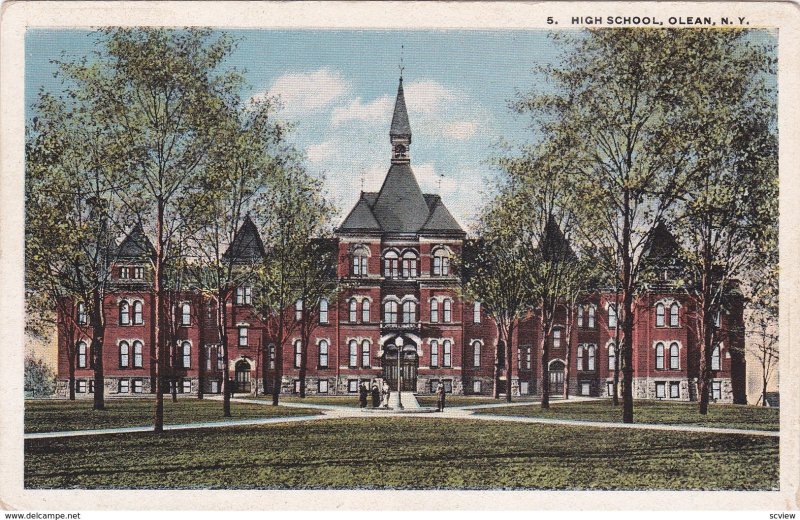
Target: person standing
[(376, 395), (362, 395), (440, 397), (386, 393)]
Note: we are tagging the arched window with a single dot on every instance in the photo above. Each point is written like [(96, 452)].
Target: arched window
[(82, 354), (137, 354), (612, 316), (441, 262), (138, 319), (715, 359), (124, 354), (660, 315), (390, 312), (360, 255), (186, 314), (446, 353), (476, 312), (447, 310), (434, 353), (390, 264), (659, 355), (579, 363), (409, 264), (298, 310), (365, 311), (674, 357), (353, 310), (365, 356), (591, 357), (353, 353), (409, 312), (186, 354), (323, 354), (82, 318), (298, 353), (591, 316), (323, 311), (612, 357), (673, 315), (124, 313), (434, 311), (476, 353)]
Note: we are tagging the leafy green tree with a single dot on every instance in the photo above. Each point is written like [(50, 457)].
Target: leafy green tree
[(620, 102), (158, 96), (40, 380), (71, 222)]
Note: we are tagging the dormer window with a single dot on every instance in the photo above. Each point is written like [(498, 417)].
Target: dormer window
[(138, 273), (124, 272)]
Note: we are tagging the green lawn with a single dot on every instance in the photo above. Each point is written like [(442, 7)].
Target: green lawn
[(352, 401), (656, 412), (463, 400), (408, 453), (313, 399), (58, 415)]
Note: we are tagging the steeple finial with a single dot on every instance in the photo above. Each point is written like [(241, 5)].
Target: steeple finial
[(402, 67)]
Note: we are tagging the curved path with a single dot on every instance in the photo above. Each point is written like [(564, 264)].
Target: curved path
[(348, 412)]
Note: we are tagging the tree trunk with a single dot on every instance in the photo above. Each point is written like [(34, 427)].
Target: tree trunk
[(627, 299), (567, 349), (222, 330), (158, 296), (276, 382), (98, 335), (764, 387), (496, 369), (509, 362), (545, 371)]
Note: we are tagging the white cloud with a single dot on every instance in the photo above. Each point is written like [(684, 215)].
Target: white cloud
[(321, 151), (428, 96), (376, 111), (308, 91), (461, 130), (429, 179)]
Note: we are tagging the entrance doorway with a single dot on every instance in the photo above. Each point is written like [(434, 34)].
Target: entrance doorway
[(556, 371), (242, 384), (409, 363)]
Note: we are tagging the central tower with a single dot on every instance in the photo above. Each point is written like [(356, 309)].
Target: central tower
[(400, 132)]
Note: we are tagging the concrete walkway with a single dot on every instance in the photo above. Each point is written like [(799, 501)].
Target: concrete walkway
[(349, 412)]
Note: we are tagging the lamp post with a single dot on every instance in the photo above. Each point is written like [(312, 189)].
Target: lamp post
[(399, 344)]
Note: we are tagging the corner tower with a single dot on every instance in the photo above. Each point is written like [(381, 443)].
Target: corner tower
[(400, 131)]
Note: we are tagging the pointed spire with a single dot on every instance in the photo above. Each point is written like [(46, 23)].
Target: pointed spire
[(400, 125)]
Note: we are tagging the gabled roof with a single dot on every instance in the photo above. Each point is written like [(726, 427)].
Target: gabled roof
[(400, 125), (662, 245), (361, 217), (136, 245), (555, 246), (440, 218), (246, 245)]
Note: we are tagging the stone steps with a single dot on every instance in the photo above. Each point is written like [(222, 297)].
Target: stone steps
[(409, 401)]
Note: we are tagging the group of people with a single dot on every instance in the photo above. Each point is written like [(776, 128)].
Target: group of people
[(378, 394)]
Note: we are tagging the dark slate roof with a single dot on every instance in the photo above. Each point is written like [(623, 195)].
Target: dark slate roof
[(440, 218), (662, 245), (247, 245), (361, 217), (400, 206), (136, 245), (555, 246), (400, 125)]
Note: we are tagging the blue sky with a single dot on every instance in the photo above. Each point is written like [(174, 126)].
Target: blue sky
[(338, 88)]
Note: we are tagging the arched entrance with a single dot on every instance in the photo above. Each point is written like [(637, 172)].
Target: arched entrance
[(556, 372), (409, 362), (242, 381)]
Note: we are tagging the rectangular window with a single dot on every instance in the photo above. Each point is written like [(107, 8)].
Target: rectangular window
[(612, 316), (476, 312), (323, 311), (322, 386), (80, 386), (674, 390), (661, 390), (243, 339), (585, 388), (272, 356), (137, 386), (124, 386), (476, 387), (82, 317), (524, 387), (298, 353), (610, 389), (528, 358), (323, 354), (138, 273), (446, 354), (220, 359), (434, 354), (556, 339), (434, 383), (186, 387), (82, 354), (476, 354), (244, 295), (365, 355), (716, 390), (124, 272), (352, 386), (353, 354), (448, 386), (91, 386), (297, 386), (208, 352)]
